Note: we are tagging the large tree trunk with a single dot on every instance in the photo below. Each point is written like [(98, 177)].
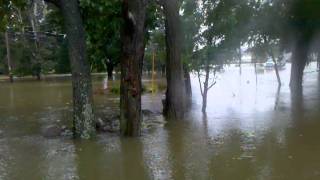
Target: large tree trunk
[(83, 116), (134, 14), (176, 93), (299, 61), (8, 57)]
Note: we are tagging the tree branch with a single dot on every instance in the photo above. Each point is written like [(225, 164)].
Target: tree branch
[(213, 83)]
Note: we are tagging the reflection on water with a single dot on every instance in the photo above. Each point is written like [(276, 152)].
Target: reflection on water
[(252, 130)]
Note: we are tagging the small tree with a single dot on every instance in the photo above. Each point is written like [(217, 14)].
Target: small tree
[(218, 41), (206, 67)]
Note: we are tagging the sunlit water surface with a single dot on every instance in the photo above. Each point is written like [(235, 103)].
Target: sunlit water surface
[(252, 130)]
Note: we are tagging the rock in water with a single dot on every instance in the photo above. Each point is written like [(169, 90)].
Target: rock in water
[(51, 131)]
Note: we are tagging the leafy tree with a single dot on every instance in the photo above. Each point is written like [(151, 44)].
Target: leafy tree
[(31, 41), (265, 36), (103, 35), (216, 43)]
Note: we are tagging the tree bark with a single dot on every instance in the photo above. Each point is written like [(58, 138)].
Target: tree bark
[(205, 88), (176, 94), (299, 61), (110, 70), (8, 57), (240, 59), (318, 61), (132, 37), (276, 68), (187, 80), (255, 72), (83, 115), (277, 72), (37, 56)]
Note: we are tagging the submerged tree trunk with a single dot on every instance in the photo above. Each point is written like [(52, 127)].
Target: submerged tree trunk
[(277, 72), (299, 61), (206, 85), (255, 72), (83, 116), (277, 98), (134, 14), (205, 88), (276, 68), (240, 59), (318, 61), (8, 57), (176, 92), (187, 80), (163, 70), (110, 70)]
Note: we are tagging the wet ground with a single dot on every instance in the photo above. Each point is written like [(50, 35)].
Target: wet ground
[(252, 130)]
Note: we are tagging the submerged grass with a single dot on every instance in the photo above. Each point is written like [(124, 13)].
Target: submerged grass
[(146, 87)]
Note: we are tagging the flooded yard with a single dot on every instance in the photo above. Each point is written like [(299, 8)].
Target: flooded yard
[(252, 130)]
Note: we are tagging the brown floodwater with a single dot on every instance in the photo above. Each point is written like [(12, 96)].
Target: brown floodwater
[(252, 130)]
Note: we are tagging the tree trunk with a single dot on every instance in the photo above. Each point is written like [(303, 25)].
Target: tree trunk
[(277, 72), (205, 88), (163, 70), (110, 70), (255, 72), (176, 91), (276, 68), (240, 59), (277, 98), (204, 100), (83, 116), (299, 61), (187, 80), (37, 55), (134, 14), (318, 61), (8, 57)]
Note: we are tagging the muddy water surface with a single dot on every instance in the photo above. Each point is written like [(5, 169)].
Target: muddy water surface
[(252, 130)]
